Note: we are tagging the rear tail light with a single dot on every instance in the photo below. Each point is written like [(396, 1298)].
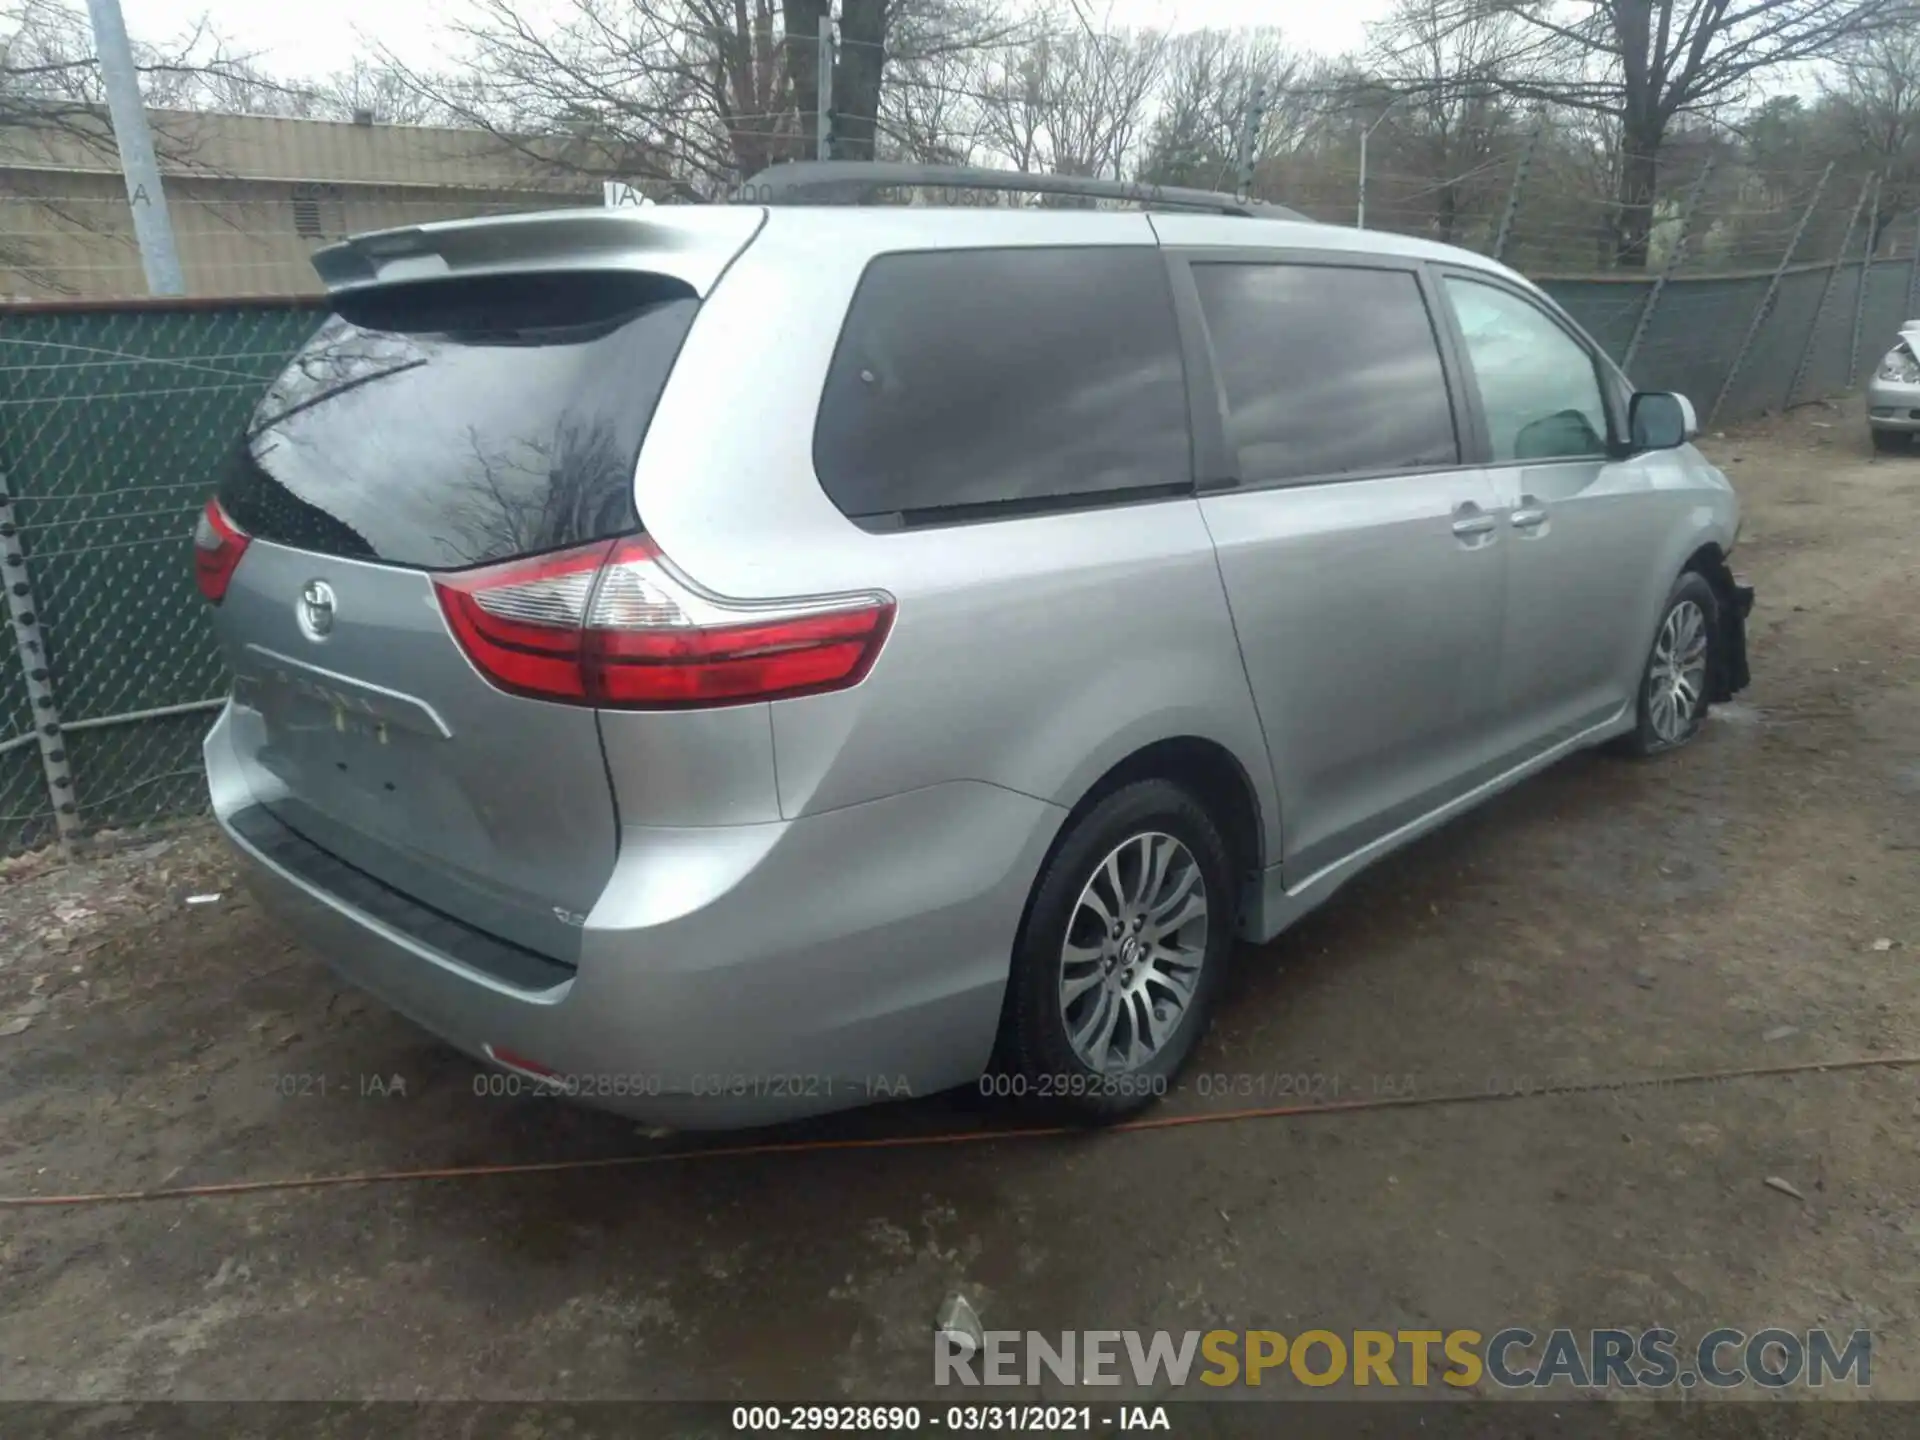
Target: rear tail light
[(614, 625), (520, 623), (218, 544)]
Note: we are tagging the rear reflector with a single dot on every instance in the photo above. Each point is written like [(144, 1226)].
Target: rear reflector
[(613, 624), (218, 544), (502, 1056)]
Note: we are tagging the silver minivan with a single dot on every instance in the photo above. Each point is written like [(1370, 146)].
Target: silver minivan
[(727, 663)]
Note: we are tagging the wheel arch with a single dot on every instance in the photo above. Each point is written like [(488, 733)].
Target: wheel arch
[(1706, 561), (1216, 776), (1730, 669), (1728, 673), (1210, 769), (1698, 542)]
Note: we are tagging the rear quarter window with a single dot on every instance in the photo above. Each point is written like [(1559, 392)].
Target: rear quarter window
[(971, 379)]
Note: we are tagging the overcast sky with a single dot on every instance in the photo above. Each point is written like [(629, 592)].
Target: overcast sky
[(291, 39)]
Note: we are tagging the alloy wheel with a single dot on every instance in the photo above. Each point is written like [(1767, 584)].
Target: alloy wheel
[(1677, 678), (1135, 943)]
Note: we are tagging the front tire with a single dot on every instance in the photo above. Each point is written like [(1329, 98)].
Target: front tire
[(1679, 672), (1120, 959)]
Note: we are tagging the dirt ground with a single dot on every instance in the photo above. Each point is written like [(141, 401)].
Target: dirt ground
[(1750, 902)]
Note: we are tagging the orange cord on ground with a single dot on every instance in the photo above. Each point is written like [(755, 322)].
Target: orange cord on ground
[(955, 1137)]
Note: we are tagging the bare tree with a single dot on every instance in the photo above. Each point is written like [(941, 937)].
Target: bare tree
[(49, 80), (1451, 124), (936, 53), (692, 95), (1210, 81), (859, 68), (237, 88), (928, 113), (900, 72), (1641, 63), (389, 95), (1874, 110), (685, 94), (1074, 102)]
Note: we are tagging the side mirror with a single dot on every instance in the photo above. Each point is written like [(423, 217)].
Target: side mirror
[(1658, 420)]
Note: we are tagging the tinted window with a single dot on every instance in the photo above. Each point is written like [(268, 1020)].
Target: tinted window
[(1537, 384), (464, 425), (1327, 370), (969, 377)]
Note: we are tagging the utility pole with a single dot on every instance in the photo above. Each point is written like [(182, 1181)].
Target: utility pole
[(152, 226), (823, 108), (1249, 139)]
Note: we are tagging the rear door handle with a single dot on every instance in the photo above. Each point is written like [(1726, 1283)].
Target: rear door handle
[(1473, 525), (1529, 519)]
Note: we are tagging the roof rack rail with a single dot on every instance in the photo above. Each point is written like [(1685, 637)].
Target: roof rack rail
[(800, 180)]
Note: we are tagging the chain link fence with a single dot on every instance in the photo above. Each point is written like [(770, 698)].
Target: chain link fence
[(1702, 340), (113, 418), (115, 415)]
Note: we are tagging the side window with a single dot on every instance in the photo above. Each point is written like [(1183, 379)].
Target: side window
[(1328, 370), (1538, 385), (967, 377)]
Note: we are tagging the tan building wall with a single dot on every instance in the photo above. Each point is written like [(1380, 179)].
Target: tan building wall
[(251, 198)]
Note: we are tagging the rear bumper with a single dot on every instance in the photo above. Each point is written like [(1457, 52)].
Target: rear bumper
[(730, 975)]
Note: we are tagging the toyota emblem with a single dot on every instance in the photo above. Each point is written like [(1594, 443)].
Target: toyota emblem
[(316, 609)]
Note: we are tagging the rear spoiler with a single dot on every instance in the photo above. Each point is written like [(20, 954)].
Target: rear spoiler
[(692, 243)]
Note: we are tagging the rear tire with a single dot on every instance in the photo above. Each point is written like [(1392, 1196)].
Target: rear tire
[(1893, 442), (1679, 672), (1119, 962)]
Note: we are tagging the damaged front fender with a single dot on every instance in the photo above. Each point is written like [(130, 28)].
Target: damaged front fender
[(1730, 673)]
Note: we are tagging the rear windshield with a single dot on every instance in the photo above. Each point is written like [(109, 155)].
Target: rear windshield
[(459, 423)]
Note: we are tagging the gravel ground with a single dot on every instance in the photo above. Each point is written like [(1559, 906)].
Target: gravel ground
[(1750, 902)]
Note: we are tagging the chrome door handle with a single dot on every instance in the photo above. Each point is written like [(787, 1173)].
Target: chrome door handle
[(1530, 519), (1473, 525)]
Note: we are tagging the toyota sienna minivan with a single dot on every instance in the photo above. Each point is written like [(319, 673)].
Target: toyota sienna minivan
[(732, 662)]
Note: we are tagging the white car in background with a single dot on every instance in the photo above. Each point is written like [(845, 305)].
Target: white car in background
[(1893, 397)]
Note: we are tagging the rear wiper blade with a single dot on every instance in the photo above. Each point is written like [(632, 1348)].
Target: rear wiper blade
[(254, 432)]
